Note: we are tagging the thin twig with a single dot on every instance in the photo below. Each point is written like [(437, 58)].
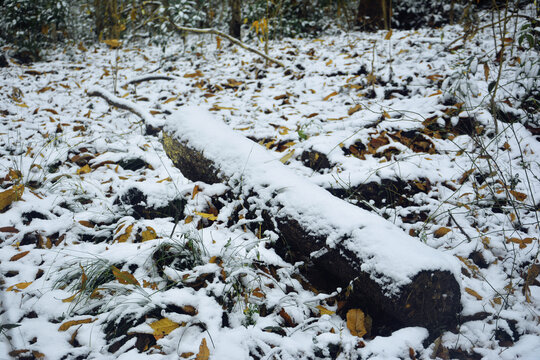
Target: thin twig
[(460, 228)]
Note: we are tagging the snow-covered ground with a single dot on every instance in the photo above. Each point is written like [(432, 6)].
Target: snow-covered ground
[(109, 252)]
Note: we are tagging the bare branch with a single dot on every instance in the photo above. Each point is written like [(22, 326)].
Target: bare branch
[(228, 37)]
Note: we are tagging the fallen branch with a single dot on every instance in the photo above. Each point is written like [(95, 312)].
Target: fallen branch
[(396, 279), (228, 37), (144, 78)]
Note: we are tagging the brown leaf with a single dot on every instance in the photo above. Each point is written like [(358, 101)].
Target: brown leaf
[(9, 229), (198, 73), (354, 109), (440, 232), (388, 35), (19, 256), (465, 176), (163, 327), (518, 195), (196, 190), (71, 323), (11, 195), (204, 352), (327, 97), (356, 322), (473, 293), (532, 274), (486, 71), (288, 320), (124, 277), (86, 223)]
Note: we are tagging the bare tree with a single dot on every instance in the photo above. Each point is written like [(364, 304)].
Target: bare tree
[(374, 14), (236, 18)]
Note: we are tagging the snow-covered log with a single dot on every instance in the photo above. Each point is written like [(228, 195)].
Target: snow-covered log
[(393, 277)]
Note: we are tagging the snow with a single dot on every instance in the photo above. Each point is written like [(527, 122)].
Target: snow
[(492, 242)]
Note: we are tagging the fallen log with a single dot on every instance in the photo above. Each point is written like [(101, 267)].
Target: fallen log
[(391, 276)]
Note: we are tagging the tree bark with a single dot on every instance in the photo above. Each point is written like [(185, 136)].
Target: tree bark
[(235, 26), (374, 14), (396, 279)]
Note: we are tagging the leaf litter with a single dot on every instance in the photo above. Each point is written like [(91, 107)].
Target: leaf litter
[(92, 207)]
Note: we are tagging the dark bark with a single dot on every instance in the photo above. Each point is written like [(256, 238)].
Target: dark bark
[(374, 14), (431, 300), (235, 25)]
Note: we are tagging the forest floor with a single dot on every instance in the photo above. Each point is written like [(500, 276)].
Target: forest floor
[(109, 252)]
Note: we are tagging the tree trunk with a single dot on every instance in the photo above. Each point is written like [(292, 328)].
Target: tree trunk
[(374, 14), (235, 25), (396, 279)]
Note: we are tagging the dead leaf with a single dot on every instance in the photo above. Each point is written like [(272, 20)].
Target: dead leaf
[(204, 352), (327, 97), (19, 256), (210, 217), (65, 326), (124, 277), (125, 236), (288, 320), (11, 195), (440, 232), (324, 311), (287, 157), (354, 109), (21, 286), (197, 73), (388, 35), (84, 170), (356, 322), (532, 274), (163, 327), (196, 190), (518, 195), (148, 234), (86, 223), (473, 293), (113, 43), (486, 71)]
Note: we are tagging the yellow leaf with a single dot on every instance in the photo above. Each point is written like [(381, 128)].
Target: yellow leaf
[(125, 236), (84, 170), (440, 232), (329, 62), (124, 277), (148, 234), (204, 353), (113, 43), (21, 286), (19, 256), (438, 92), (324, 311), (163, 327), (166, 179), (71, 298), (210, 217), (327, 97), (23, 105), (473, 293), (356, 322), (71, 323), (354, 109), (11, 195), (218, 40), (518, 195), (287, 156), (388, 35), (188, 219), (171, 100)]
